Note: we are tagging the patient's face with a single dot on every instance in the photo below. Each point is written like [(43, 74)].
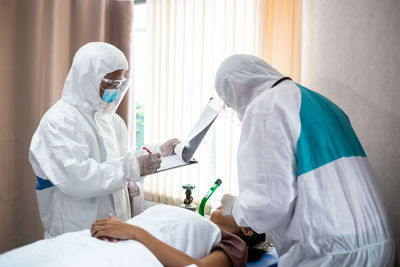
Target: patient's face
[(225, 223)]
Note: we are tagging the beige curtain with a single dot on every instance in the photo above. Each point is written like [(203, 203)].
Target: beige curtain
[(38, 41), (188, 39)]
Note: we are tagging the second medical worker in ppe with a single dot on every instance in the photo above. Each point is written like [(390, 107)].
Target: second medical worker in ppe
[(79, 152), (303, 175)]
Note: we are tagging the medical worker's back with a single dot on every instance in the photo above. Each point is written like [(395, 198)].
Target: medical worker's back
[(303, 174)]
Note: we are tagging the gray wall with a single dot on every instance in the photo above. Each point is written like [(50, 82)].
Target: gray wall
[(351, 54)]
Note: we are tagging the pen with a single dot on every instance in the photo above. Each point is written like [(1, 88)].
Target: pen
[(148, 150)]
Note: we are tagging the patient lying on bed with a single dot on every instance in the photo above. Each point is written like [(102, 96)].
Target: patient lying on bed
[(226, 250), (161, 235)]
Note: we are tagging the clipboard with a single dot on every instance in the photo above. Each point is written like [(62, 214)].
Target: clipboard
[(184, 151), (193, 161)]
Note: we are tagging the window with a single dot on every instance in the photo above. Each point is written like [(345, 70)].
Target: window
[(186, 42), (139, 68)]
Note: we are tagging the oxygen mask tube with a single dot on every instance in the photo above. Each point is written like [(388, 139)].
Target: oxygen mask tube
[(217, 183)]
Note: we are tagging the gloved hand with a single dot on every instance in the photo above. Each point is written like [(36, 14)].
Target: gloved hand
[(227, 202), (133, 189), (149, 163), (167, 149)]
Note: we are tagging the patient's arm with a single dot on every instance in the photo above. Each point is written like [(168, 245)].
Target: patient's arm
[(113, 228)]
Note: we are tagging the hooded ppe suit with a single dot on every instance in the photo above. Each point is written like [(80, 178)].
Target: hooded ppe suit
[(79, 151), (303, 175)]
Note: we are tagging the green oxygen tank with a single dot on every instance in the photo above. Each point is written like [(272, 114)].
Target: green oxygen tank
[(217, 183)]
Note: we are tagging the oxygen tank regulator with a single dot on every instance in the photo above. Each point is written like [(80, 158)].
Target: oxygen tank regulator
[(187, 202)]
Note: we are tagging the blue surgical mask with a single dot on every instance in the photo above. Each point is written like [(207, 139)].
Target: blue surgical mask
[(110, 95)]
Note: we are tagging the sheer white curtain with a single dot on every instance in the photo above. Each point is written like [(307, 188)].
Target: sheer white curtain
[(187, 40)]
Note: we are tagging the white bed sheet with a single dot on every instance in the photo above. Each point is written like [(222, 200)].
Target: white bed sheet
[(183, 229), (80, 249)]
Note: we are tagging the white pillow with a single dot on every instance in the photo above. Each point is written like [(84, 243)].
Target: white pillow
[(180, 228)]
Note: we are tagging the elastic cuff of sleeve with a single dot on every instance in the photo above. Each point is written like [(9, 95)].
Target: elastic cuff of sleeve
[(133, 168), (155, 148)]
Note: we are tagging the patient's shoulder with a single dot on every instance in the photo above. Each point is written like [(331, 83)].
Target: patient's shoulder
[(234, 247)]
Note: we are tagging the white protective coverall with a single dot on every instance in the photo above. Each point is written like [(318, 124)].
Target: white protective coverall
[(79, 151), (303, 175)]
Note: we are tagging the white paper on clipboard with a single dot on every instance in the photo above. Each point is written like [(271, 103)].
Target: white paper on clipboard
[(184, 151)]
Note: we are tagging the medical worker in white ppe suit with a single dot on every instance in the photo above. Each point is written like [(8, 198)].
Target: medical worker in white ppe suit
[(79, 152), (303, 175)]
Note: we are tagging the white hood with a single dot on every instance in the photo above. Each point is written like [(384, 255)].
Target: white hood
[(91, 63), (241, 78)]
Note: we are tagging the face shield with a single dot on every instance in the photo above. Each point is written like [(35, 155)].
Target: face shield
[(113, 95), (112, 89)]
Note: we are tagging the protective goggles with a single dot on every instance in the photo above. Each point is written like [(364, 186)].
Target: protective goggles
[(114, 84)]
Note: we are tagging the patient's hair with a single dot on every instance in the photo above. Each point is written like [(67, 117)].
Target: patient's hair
[(254, 254)]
